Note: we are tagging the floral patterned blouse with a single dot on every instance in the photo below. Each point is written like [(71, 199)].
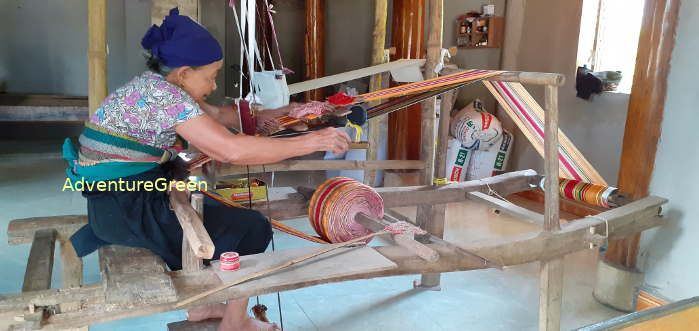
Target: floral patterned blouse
[(147, 108)]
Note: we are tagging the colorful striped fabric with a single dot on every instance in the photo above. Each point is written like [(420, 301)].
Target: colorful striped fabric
[(528, 115), (275, 224), (99, 145), (417, 87)]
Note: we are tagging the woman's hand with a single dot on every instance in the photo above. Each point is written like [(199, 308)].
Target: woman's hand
[(329, 140)]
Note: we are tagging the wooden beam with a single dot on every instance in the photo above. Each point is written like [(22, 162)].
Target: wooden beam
[(314, 45), (352, 75), (310, 165), (504, 184), (22, 231), (42, 113), (97, 53), (192, 227), (532, 78), (40, 263), (551, 273), (508, 208), (645, 115)]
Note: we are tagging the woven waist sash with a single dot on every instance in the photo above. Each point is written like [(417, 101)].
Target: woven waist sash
[(106, 155)]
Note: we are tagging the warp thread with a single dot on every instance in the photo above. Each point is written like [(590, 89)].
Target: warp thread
[(403, 227), (334, 205), (597, 195), (315, 108)]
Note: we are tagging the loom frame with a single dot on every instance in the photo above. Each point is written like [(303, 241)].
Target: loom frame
[(77, 304)]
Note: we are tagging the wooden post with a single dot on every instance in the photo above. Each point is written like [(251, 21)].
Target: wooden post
[(72, 268), (645, 114), (190, 262), (315, 45), (97, 53), (40, 263), (431, 217), (408, 39), (551, 277), (378, 57)]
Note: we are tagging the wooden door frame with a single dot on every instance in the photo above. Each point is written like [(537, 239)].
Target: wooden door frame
[(645, 113)]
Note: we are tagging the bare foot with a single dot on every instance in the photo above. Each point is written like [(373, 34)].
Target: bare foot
[(249, 324), (201, 313)]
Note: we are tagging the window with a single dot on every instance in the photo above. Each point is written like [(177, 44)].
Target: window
[(609, 32)]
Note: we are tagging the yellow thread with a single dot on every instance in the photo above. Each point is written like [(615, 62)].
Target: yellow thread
[(442, 181), (357, 131)]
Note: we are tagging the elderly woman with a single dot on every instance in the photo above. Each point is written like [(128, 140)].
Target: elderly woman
[(132, 137)]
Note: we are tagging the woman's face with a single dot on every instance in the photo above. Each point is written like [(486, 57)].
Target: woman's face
[(199, 82)]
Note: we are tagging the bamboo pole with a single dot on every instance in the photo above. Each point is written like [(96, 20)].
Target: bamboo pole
[(375, 83), (315, 45), (308, 165), (551, 276), (97, 53)]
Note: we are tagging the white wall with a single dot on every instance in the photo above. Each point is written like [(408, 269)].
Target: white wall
[(542, 35), (487, 58), (45, 44), (669, 254)]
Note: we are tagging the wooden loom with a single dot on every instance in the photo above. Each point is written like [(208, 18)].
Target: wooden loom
[(135, 282)]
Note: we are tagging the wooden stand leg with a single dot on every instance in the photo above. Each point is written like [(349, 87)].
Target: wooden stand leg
[(550, 294), (190, 262), (428, 217), (72, 265), (551, 278)]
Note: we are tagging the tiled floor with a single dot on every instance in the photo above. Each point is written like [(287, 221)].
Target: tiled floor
[(30, 185)]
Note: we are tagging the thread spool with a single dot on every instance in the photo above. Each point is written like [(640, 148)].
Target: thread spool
[(334, 205), (597, 195), (229, 261)]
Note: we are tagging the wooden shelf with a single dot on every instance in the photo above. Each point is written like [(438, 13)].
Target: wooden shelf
[(479, 32)]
